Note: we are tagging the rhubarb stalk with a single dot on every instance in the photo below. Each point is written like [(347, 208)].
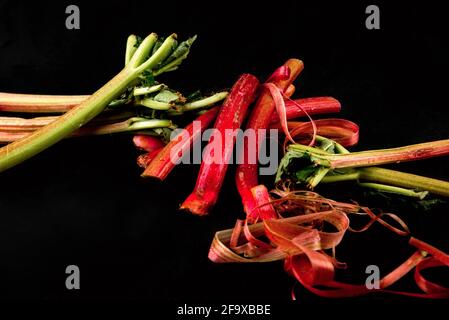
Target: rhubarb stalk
[(211, 175), (259, 120), (43, 138), (316, 105), (358, 166), (162, 163), (147, 143), (34, 103), (375, 157), (394, 178)]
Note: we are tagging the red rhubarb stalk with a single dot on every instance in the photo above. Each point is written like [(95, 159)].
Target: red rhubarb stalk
[(379, 157), (147, 143), (246, 174), (317, 105), (211, 175), (145, 159), (264, 209), (290, 90), (162, 164)]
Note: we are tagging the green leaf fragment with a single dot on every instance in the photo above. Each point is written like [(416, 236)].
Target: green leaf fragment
[(138, 41), (181, 50), (148, 79), (303, 175), (167, 96), (157, 45)]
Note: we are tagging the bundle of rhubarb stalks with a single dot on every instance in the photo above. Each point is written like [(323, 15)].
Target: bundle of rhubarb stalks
[(288, 223)]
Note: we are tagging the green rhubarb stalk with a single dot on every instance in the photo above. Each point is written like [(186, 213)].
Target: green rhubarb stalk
[(206, 102), (374, 157), (396, 190), (139, 91), (323, 164), (19, 151), (405, 180), (321, 175), (15, 124), (131, 47), (175, 108), (134, 124), (153, 104), (393, 178), (34, 103), (37, 103)]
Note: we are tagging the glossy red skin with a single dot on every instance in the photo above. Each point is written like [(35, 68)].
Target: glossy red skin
[(161, 165), (246, 174), (147, 143), (211, 175), (144, 159)]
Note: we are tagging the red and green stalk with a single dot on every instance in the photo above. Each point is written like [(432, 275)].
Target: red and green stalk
[(141, 60), (362, 165)]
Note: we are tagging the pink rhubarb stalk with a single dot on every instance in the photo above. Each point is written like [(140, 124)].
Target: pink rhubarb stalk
[(211, 175), (316, 105), (264, 209), (162, 163), (246, 174), (145, 159), (147, 143), (35, 103)]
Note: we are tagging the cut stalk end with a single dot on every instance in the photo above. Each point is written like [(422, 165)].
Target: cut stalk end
[(198, 205)]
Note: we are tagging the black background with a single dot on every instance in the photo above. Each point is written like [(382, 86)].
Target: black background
[(83, 202)]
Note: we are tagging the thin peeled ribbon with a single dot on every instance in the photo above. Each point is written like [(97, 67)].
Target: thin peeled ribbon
[(278, 98), (281, 231), (342, 131), (300, 241), (316, 273)]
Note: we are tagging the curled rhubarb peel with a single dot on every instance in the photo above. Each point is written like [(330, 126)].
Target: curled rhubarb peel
[(342, 131), (278, 97), (300, 242), (315, 105)]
